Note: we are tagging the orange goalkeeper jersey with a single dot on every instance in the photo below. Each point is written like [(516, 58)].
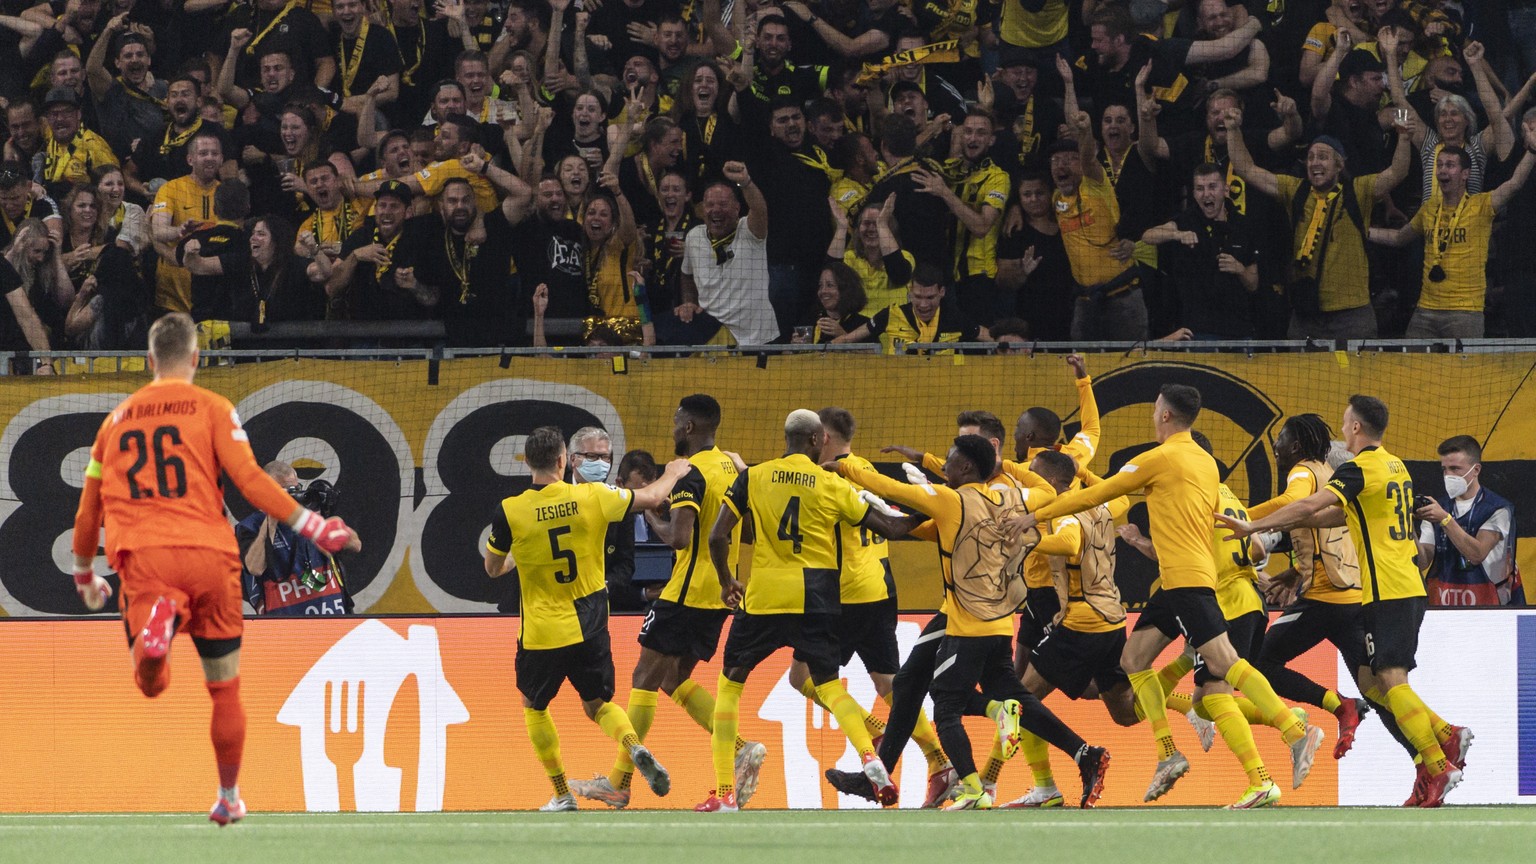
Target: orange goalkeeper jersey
[(154, 473)]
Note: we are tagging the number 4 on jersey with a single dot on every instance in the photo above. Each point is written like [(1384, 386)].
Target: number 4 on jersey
[(789, 524)]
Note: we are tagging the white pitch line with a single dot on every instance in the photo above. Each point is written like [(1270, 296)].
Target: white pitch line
[(566, 823)]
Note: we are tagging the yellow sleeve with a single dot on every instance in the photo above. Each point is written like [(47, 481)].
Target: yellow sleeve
[(1298, 485), (942, 501), (1038, 492), (433, 177), (1119, 507), (933, 465), (1065, 540), (994, 192), (613, 501), (1085, 443), (926, 531), (164, 199), (1134, 475)]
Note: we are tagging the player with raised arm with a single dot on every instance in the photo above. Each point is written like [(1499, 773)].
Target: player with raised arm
[(790, 509), (153, 481), (683, 625), (1373, 494), (555, 532), (1182, 482)]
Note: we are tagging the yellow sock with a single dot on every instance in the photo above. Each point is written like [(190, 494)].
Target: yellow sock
[(1180, 702), (1250, 711), (697, 702), (1201, 711), (641, 711), (546, 746), (808, 689), (1443, 729), (995, 760), (722, 742), (1256, 687), (1412, 717), (1237, 735), (1150, 698), (1174, 672), (1331, 701), (1038, 754), (872, 724), (615, 724), (848, 713)]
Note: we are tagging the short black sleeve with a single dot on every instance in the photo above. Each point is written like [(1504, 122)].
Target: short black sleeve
[(500, 541), (880, 321), (738, 494), (1348, 481), (1173, 51), (689, 491)]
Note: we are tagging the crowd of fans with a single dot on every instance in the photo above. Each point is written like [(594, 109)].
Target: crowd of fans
[(674, 172)]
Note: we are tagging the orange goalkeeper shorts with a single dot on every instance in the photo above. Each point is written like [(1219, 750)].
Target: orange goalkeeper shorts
[(205, 583)]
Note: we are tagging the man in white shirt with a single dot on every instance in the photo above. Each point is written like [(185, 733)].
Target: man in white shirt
[(725, 263)]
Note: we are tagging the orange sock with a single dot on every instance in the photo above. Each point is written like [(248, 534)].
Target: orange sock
[(228, 729)]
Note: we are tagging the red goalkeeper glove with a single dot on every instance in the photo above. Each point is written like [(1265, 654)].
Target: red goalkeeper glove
[(93, 589), (331, 535)]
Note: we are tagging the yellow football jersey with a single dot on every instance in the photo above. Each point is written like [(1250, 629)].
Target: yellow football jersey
[(1235, 573), (693, 581), (866, 574), (1377, 494), (796, 508), (556, 534)]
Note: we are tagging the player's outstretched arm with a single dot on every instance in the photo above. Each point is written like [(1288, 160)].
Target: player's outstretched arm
[(652, 496), (1308, 512)]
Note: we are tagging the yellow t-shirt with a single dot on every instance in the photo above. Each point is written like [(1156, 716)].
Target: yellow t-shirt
[(556, 534), (796, 559), (1181, 480), (1462, 233), (1235, 574), (879, 293), (701, 490), (435, 175), (334, 225), (1301, 483), (1087, 222), (1343, 284), (72, 163), (986, 186), (610, 280), (1019, 26), (184, 201), (1376, 492), (1320, 39), (866, 556)]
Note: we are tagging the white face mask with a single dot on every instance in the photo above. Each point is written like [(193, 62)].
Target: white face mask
[(593, 470), (1455, 485)]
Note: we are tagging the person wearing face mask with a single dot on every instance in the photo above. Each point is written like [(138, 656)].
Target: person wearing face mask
[(1467, 540), (591, 462)]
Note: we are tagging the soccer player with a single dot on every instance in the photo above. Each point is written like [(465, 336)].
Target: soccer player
[(1181, 482), (1373, 494), (975, 650), (792, 508), (683, 625), (555, 532), (1243, 609), (1329, 572), (867, 625), (153, 480)]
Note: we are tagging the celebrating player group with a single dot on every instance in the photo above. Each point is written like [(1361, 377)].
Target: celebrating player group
[(1027, 550)]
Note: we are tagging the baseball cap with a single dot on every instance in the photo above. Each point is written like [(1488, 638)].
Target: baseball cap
[(396, 189)]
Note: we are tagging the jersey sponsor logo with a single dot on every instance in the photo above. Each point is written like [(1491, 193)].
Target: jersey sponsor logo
[(344, 703)]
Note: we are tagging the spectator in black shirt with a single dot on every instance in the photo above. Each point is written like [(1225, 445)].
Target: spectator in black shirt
[(252, 32), (1026, 121), (773, 76), (366, 52), (1210, 257), (550, 249), (661, 148), (163, 156), (1346, 106), (219, 254), (799, 188), (840, 297), (1032, 261), (924, 218), (878, 24), (363, 284)]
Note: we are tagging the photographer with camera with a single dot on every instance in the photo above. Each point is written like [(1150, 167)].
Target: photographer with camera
[(285, 574), (1212, 260), (1467, 541)]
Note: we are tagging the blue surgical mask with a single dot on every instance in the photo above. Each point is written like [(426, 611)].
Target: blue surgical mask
[(593, 470)]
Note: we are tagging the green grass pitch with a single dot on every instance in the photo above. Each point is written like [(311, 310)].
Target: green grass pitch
[(1483, 835)]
